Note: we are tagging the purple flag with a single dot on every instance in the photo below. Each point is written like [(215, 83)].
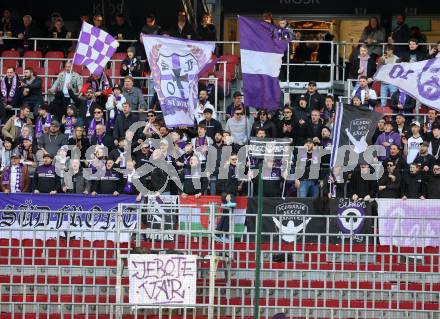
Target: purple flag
[(94, 49), (261, 55)]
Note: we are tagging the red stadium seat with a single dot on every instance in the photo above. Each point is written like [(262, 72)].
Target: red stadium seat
[(32, 55), (6, 63), (57, 252), (54, 64)]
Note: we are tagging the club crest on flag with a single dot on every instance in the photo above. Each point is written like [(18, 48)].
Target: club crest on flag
[(175, 67)]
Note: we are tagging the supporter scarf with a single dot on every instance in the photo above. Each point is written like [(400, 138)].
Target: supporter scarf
[(19, 183), (128, 187), (101, 84), (68, 127), (201, 140), (92, 128), (8, 97), (363, 63), (132, 64), (6, 158), (114, 112), (359, 93), (39, 125), (402, 97), (99, 138), (274, 173)]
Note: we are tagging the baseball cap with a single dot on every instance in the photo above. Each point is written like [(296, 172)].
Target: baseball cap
[(15, 155), (417, 123), (55, 123), (237, 93), (47, 155), (117, 87), (312, 83), (302, 97)]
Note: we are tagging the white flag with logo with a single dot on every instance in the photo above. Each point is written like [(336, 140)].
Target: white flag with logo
[(421, 79)]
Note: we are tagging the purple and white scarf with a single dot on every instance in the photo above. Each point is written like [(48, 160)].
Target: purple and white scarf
[(101, 84), (8, 97), (402, 97), (39, 126), (92, 128), (68, 127)]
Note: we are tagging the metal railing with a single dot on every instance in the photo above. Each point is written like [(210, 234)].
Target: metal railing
[(332, 275)]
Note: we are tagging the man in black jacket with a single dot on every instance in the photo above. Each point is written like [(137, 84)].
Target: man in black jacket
[(109, 182), (402, 102), (425, 160), (433, 183), (263, 122), (434, 141), (30, 92), (212, 125), (315, 101), (389, 183), (414, 54), (45, 178), (363, 187), (400, 34), (314, 127), (123, 122), (183, 29), (413, 184)]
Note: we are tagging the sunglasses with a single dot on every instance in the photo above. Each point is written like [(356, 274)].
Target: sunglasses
[(390, 165), (98, 112), (238, 113)]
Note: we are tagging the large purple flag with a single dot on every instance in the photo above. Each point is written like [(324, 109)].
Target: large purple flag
[(94, 49), (261, 55)]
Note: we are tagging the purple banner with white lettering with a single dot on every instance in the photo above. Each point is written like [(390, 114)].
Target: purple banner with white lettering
[(75, 216), (409, 223)]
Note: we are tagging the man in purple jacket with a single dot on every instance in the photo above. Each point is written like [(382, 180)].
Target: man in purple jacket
[(388, 138)]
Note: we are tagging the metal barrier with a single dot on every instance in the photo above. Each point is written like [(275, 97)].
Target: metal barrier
[(61, 276)]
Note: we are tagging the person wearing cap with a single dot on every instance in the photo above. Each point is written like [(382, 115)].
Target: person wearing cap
[(315, 101), (367, 96), (109, 180), (123, 122), (411, 145), (212, 125), (51, 141), (183, 29), (67, 79), (45, 178), (15, 177), (401, 102), (85, 102), (203, 105), (131, 66), (263, 122), (388, 138), (43, 120), (70, 121), (425, 160), (114, 104), (237, 102)]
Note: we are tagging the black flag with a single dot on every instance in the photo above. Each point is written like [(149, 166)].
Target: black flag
[(354, 126)]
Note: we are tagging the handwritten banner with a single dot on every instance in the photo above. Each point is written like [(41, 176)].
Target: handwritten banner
[(162, 280), (409, 223), (50, 216)]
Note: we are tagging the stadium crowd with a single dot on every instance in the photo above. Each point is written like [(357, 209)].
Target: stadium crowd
[(44, 146)]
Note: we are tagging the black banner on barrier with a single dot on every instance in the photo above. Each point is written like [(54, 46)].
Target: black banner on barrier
[(350, 223), (290, 219)]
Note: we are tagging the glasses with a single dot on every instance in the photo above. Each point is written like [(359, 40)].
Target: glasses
[(239, 114), (151, 115), (98, 112), (288, 112), (390, 165), (263, 114)]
